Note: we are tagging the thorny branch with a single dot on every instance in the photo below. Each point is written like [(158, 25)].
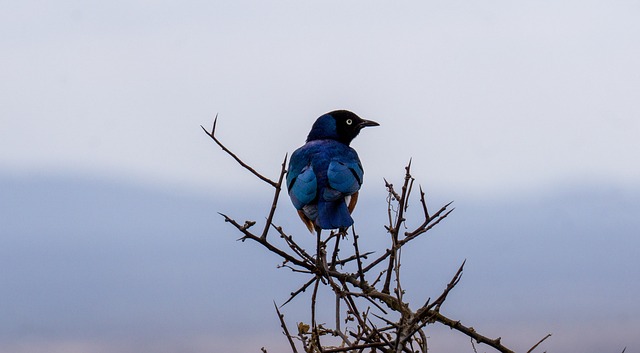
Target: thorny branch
[(243, 164), (374, 313)]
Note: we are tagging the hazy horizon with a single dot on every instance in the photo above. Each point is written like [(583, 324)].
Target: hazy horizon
[(98, 266)]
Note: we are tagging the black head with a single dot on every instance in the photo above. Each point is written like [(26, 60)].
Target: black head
[(340, 125)]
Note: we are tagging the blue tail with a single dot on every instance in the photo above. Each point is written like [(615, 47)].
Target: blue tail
[(333, 215)]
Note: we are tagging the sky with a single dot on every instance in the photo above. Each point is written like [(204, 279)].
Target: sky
[(487, 97), (508, 104)]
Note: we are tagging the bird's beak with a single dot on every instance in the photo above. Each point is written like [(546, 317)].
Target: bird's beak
[(365, 123)]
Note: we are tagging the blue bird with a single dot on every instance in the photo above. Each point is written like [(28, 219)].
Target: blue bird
[(325, 174)]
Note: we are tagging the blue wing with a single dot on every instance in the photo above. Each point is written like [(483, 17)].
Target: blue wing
[(301, 182), (345, 177)]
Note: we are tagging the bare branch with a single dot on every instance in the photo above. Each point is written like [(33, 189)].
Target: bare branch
[(266, 244), (224, 148), (352, 258), (427, 224), (284, 327), (359, 346), (471, 332), (358, 256), (278, 187), (456, 278), (542, 340), (336, 249), (395, 228), (314, 326), (389, 187), (292, 244), (300, 290)]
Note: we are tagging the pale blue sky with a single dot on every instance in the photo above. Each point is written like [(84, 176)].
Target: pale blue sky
[(528, 108)]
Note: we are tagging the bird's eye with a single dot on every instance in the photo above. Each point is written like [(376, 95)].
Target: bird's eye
[(349, 121)]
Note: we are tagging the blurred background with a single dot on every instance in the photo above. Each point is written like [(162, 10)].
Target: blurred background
[(525, 114)]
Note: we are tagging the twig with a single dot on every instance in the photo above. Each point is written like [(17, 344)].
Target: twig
[(243, 164), (470, 332), (424, 346), (266, 244), (300, 290), (284, 327), (334, 256), (292, 244), (337, 311), (357, 251), (425, 314), (409, 237), (389, 187), (423, 228), (358, 346), (395, 228), (454, 281), (274, 204), (352, 258), (542, 340), (396, 269), (425, 211), (315, 335)]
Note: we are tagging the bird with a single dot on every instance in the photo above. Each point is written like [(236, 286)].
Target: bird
[(325, 174)]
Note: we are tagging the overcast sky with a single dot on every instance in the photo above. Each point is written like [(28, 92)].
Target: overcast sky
[(485, 96), (492, 100)]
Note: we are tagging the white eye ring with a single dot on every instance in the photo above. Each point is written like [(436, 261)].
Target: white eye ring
[(349, 121)]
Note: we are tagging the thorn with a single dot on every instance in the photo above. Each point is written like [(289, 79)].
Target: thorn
[(215, 121)]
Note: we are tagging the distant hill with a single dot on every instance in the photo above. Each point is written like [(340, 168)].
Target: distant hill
[(98, 260)]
